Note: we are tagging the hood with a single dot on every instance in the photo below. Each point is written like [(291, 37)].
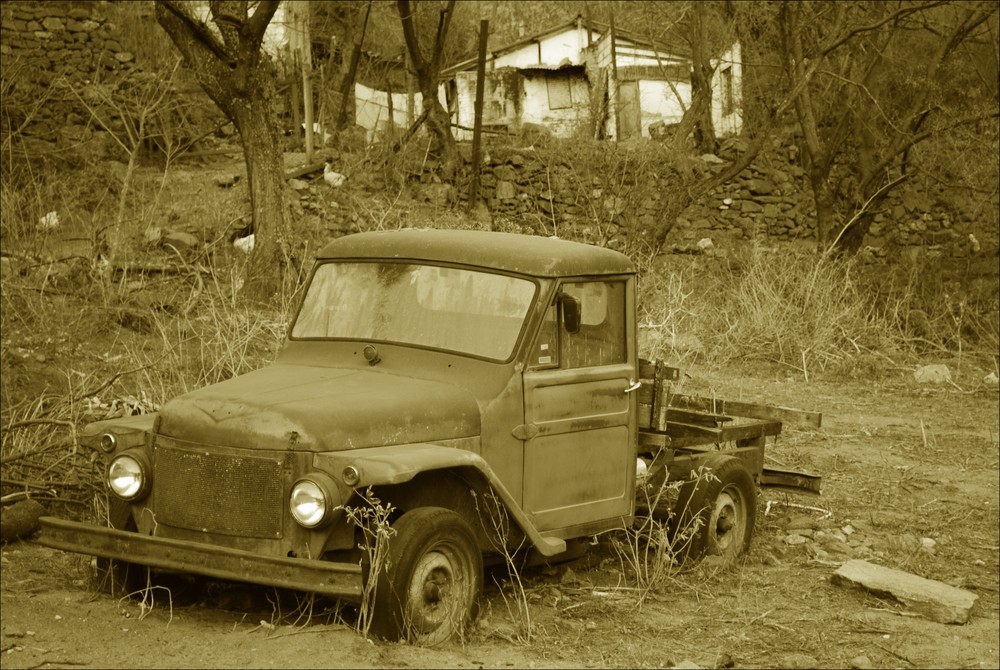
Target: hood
[(320, 409)]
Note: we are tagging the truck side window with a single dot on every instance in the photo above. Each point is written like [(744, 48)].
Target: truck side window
[(601, 338)]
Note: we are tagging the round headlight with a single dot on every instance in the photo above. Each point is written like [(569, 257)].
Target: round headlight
[(308, 503), (127, 477)]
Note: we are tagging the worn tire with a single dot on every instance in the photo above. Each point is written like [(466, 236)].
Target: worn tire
[(715, 515), (430, 591)]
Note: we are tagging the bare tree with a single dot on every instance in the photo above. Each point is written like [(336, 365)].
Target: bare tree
[(861, 110), (427, 71), (229, 63)]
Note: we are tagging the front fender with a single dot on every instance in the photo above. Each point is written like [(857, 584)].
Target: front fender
[(397, 464), (131, 431)]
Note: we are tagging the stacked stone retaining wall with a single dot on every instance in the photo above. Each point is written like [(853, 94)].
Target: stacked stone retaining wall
[(47, 47), (770, 200)]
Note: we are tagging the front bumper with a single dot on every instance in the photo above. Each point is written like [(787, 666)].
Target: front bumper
[(328, 578)]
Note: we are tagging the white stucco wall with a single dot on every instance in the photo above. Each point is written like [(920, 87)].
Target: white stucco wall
[(732, 123), (554, 50), (371, 108), (658, 102), (562, 122)]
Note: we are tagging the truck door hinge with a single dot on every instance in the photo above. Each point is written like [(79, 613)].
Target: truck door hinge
[(525, 431)]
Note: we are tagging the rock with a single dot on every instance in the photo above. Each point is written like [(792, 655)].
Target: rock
[(932, 374), (505, 190), (817, 553), (803, 521), (298, 184), (706, 243), (797, 660), (152, 235), (711, 158), (180, 240), (686, 665), (933, 599), (20, 519), (725, 660), (795, 538), (861, 663), (760, 187), (991, 379), (226, 180)]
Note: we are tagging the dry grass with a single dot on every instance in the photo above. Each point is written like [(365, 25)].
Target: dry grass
[(810, 315)]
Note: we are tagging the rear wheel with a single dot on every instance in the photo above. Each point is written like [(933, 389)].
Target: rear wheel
[(716, 510), (429, 593)]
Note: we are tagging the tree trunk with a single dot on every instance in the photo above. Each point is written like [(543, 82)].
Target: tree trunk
[(824, 202), (701, 85), (442, 141), (240, 79), (427, 71), (254, 118)]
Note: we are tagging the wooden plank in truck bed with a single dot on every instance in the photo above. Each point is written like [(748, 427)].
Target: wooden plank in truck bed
[(790, 417), (678, 435)]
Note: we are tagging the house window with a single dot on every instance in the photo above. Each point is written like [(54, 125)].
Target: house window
[(560, 92), (728, 96)]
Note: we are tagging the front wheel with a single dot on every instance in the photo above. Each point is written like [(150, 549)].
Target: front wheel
[(429, 591), (716, 510)]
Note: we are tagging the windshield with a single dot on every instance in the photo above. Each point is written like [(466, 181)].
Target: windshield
[(465, 311)]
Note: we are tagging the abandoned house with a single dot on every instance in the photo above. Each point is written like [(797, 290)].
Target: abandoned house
[(565, 78)]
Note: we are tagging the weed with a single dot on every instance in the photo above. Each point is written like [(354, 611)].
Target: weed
[(653, 548), (372, 518), (496, 522)]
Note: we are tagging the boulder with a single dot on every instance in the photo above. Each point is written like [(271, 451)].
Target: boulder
[(932, 374)]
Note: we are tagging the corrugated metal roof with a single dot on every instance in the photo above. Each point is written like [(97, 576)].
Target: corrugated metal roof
[(522, 254)]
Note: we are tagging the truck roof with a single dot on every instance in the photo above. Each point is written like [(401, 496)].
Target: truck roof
[(522, 254)]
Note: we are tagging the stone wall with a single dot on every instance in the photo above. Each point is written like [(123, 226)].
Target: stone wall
[(770, 200), (46, 44)]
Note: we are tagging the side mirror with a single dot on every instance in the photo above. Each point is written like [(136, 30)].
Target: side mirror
[(569, 308)]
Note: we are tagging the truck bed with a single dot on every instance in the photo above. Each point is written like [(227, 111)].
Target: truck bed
[(676, 426)]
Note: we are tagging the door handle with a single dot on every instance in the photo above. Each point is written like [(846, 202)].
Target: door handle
[(633, 386)]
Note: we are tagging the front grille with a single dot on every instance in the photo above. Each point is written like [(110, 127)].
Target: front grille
[(216, 493)]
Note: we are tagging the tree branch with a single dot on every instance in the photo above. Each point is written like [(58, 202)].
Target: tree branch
[(192, 28), (412, 41), (875, 196), (255, 27), (917, 139), (898, 14)]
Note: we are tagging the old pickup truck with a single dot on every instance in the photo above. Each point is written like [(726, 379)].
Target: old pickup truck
[(429, 372)]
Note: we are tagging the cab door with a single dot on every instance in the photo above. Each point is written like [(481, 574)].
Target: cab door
[(579, 431)]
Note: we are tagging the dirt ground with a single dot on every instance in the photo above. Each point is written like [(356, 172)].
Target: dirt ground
[(910, 481)]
